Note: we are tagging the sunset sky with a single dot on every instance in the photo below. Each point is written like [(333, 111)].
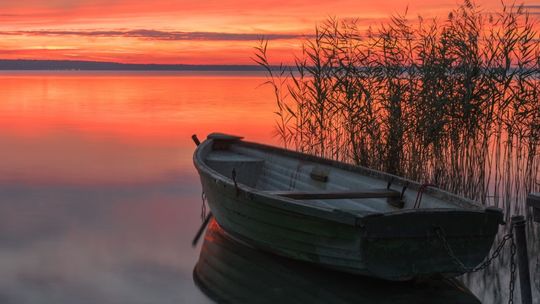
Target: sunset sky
[(188, 32)]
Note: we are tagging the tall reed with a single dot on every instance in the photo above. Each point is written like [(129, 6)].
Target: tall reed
[(453, 102)]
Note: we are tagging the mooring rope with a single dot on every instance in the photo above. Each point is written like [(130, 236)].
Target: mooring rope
[(203, 206)]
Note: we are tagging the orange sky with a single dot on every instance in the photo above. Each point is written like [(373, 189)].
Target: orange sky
[(178, 31)]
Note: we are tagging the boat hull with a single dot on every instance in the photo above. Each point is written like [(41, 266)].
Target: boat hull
[(399, 246), (229, 272)]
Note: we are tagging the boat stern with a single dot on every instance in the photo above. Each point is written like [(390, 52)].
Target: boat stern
[(422, 243)]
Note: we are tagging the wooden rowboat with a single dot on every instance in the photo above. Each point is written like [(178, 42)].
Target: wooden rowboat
[(340, 216), (230, 272)]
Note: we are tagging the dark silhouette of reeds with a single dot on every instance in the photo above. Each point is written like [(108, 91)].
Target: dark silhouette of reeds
[(453, 102)]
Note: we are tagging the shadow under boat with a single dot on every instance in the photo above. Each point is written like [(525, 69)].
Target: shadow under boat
[(231, 272)]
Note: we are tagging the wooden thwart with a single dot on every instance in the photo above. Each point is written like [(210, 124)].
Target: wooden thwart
[(311, 195)]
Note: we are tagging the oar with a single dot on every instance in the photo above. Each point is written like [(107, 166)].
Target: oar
[(208, 217), (201, 229)]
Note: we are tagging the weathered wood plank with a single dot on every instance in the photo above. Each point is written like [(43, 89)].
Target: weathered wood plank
[(311, 195)]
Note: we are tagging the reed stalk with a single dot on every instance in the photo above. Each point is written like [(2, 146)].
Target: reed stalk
[(454, 102)]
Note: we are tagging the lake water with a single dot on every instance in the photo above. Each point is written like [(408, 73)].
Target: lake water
[(99, 199)]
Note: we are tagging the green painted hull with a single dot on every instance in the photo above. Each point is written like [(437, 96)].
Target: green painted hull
[(230, 272)]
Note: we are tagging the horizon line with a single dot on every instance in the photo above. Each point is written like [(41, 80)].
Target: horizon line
[(54, 64)]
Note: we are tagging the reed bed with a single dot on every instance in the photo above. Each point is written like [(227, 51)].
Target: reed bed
[(454, 102)]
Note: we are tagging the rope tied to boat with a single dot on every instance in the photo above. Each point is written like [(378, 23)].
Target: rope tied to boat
[(233, 175), (203, 206), (420, 193), (439, 231)]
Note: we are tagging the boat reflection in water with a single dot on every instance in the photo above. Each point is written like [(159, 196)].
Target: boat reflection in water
[(230, 272)]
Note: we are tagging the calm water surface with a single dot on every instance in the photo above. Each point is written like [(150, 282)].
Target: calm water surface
[(99, 200)]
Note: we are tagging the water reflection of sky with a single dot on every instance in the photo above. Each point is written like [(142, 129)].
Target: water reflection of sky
[(77, 244), (99, 200)]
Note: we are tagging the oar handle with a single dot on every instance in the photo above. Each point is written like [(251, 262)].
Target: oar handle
[(209, 216), (195, 139), (201, 229)]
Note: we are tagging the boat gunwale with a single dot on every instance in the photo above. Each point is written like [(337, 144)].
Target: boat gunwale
[(328, 213)]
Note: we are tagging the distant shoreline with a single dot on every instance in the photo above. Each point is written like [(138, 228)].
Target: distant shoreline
[(75, 65)]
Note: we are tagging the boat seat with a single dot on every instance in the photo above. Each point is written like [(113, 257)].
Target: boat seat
[(309, 195), (247, 168), (228, 156), (393, 197)]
